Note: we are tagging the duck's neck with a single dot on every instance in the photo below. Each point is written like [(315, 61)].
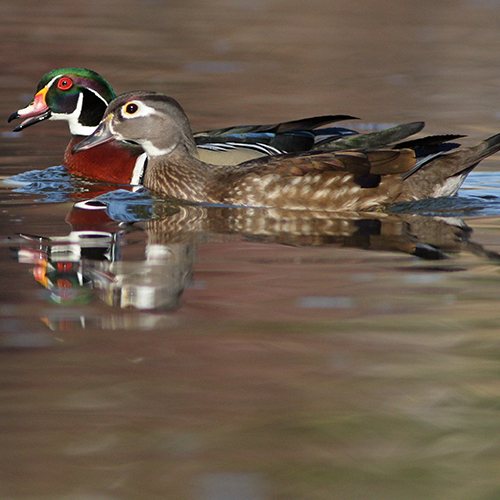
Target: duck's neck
[(179, 175)]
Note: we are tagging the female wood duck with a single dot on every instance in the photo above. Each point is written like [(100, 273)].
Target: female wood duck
[(80, 96), (337, 181)]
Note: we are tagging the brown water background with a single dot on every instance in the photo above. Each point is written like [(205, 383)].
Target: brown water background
[(287, 372)]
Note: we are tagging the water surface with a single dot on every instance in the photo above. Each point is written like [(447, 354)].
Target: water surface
[(163, 351)]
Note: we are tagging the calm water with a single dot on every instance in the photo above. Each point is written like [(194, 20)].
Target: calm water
[(149, 350)]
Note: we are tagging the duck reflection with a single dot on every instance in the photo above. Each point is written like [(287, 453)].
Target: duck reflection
[(138, 252), (89, 262)]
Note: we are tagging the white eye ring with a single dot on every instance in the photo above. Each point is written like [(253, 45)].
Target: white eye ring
[(131, 108), (135, 109)]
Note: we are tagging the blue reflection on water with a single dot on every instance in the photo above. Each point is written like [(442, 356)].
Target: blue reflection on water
[(50, 174), (56, 185), (128, 206)]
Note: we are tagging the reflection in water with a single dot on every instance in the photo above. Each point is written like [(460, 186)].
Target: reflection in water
[(89, 261), (71, 267)]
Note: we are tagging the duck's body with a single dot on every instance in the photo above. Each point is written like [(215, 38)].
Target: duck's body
[(322, 181), (338, 181), (80, 96)]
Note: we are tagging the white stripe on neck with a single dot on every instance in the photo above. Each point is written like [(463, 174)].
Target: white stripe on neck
[(138, 173)]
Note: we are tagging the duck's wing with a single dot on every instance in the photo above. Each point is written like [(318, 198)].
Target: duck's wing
[(372, 140), (303, 124), (431, 144), (231, 145), (359, 163)]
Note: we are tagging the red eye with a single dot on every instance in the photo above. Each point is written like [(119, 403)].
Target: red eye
[(65, 83)]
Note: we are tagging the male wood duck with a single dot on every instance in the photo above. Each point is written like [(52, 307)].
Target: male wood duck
[(80, 97), (316, 180)]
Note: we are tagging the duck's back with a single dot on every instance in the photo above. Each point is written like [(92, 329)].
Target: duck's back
[(323, 181)]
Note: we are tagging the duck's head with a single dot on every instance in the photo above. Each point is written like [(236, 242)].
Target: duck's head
[(154, 121), (77, 95)]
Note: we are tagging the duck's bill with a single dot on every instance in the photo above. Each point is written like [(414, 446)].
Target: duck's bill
[(101, 135), (36, 111)]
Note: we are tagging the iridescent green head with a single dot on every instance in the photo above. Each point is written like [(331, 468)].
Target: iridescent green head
[(77, 95)]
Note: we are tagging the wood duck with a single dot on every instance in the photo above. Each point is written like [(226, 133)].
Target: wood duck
[(80, 97), (315, 180)]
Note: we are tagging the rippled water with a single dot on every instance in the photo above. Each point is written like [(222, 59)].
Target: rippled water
[(150, 350)]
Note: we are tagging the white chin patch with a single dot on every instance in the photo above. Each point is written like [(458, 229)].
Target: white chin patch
[(152, 150)]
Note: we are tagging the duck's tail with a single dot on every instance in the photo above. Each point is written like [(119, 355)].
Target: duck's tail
[(443, 173)]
